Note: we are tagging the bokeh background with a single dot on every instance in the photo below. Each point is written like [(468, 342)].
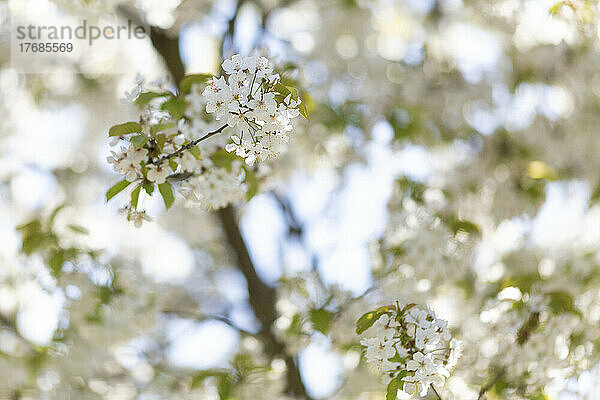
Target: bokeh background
[(451, 158)]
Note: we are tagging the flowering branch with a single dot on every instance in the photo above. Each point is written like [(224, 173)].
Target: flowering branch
[(405, 345), (189, 145)]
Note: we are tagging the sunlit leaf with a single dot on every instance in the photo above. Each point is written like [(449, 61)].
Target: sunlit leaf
[(139, 141), (251, 183), (125, 129), (167, 194), (146, 97), (135, 195), (185, 86), (367, 320), (116, 189), (175, 106), (321, 320)]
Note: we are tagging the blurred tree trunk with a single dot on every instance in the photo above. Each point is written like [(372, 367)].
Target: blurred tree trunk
[(261, 296)]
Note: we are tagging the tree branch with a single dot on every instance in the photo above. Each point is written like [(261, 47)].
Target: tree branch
[(262, 300), (189, 145), (261, 296), (436, 392)]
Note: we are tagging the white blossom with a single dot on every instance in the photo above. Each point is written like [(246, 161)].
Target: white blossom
[(248, 102), (411, 339), (158, 173)]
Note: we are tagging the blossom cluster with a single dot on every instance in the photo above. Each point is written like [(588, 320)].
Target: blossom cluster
[(254, 102), (169, 148), (409, 346)]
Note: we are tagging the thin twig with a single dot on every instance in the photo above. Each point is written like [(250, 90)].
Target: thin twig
[(189, 145), (436, 392)]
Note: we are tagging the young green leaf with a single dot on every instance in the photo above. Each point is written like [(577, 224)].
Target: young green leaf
[(116, 189), (54, 213), (195, 150), (161, 139), (78, 229), (138, 141), (135, 195), (167, 194), (392, 389), (561, 301), (223, 159), (321, 320), (303, 111), (282, 89), (56, 262), (145, 97), (367, 320), (149, 188), (251, 183), (556, 7), (189, 80), (125, 129), (162, 126), (175, 106)]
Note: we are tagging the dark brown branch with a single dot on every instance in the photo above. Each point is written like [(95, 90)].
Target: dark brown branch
[(262, 300), (168, 48), (230, 32)]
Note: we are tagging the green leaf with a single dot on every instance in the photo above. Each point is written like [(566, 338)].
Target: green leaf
[(55, 212), (303, 111), (33, 242), (392, 389), (149, 188), (201, 376), (282, 89), (223, 159), (466, 226), (396, 358), (167, 194), (161, 140), (556, 7), (251, 183), (161, 127), (189, 80), (173, 164), (135, 195), (595, 195), (527, 328), (56, 262), (175, 106), (116, 189), (145, 97), (225, 387), (125, 129), (138, 141), (195, 150), (561, 302), (321, 320), (78, 229), (30, 227), (367, 320)]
